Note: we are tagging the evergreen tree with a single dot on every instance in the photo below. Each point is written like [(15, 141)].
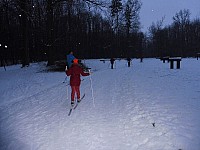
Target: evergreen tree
[(116, 7)]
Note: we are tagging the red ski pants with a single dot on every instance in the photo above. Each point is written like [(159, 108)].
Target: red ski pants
[(75, 90)]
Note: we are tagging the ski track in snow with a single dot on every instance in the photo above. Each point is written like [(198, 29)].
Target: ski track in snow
[(127, 103)]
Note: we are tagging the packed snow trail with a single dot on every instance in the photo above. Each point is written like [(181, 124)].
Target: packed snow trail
[(128, 102)]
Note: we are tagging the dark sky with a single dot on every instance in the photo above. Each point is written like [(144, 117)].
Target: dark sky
[(154, 10)]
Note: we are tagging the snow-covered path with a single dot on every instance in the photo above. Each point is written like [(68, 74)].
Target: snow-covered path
[(146, 106)]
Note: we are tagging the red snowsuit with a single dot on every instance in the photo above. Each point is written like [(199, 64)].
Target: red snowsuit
[(74, 72)]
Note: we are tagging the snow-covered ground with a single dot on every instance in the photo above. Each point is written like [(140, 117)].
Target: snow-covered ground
[(145, 107)]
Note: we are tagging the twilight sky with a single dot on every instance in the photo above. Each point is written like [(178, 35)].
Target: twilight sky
[(154, 10)]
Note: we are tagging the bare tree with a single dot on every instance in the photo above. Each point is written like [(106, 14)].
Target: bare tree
[(181, 23), (155, 35), (132, 9)]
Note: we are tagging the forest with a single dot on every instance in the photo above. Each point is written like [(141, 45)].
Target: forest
[(40, 30)]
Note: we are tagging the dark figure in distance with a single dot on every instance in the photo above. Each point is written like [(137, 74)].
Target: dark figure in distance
[(129, 61), (112, 60)]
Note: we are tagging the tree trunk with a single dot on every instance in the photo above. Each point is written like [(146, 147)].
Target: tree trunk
[(24, 31), (50, 50)]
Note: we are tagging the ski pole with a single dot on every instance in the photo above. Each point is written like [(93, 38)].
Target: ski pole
[(65, 79), (66, 76), (67, 92), (67, 87), (92, 88), (67, 83)]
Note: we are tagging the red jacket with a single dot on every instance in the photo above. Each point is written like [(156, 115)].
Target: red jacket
[(74, 72)]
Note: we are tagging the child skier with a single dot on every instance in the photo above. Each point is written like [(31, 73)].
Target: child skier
[(74, 72)]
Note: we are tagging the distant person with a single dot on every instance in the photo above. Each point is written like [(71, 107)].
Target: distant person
[(74, 72), (129, 61), (112, 61), (70, 58)]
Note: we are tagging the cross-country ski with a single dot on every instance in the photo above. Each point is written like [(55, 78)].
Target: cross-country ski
[(75, 106)]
